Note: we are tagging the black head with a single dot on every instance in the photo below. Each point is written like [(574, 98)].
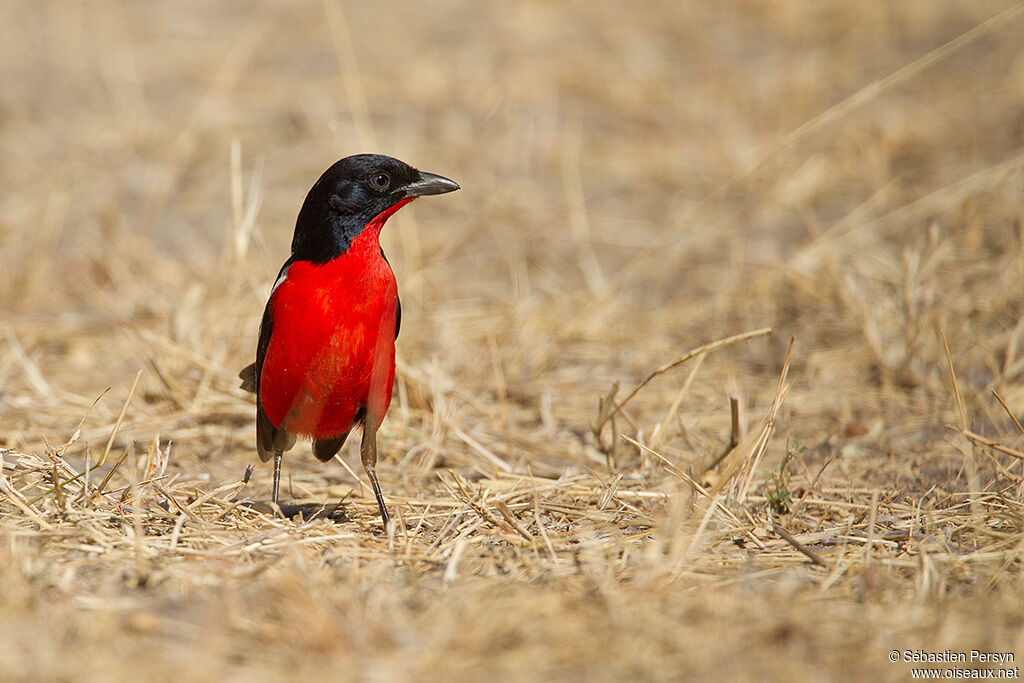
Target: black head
[(350, 194)]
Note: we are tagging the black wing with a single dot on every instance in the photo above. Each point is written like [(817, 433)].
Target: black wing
[(398, 301), (268, 437), (398, 315)]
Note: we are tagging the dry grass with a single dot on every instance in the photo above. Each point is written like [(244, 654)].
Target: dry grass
[(636, 184)]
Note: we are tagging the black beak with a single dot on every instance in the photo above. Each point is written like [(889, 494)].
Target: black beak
[(429, 184)]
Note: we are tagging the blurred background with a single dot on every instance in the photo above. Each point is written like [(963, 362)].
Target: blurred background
[(635, 182)]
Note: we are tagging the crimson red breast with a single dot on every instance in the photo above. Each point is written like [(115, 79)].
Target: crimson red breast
[(325, 360)]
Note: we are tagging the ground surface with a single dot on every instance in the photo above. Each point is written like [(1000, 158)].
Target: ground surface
[(636, 184)]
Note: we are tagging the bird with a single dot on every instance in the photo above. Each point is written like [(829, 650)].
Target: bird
[(325, 357)]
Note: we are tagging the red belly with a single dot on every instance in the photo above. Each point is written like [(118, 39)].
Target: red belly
[(332, 347)]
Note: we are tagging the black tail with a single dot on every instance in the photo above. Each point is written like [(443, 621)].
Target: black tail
[(324, 449)]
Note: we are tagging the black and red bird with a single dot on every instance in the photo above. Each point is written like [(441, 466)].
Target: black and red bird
[(325, 360)]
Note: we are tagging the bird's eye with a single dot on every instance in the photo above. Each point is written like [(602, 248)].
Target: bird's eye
[(380, 181)]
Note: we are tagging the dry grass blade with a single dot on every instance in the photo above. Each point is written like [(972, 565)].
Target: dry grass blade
[(673, 410), (341, 39), (956, 385), (788, 537), (35, 377), (609, 411), (734, 435), (760, 445), (117, 423), (714, 501), (1002, 402), (979, 439)]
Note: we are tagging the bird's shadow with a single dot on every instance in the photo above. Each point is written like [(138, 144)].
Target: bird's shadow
[(305, 512)]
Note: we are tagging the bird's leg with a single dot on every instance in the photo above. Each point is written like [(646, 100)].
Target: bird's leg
[(368, 451), (277, 474)]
